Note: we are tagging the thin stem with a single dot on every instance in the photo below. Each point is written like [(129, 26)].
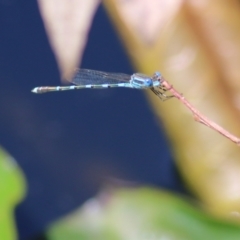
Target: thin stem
[(199, 117)]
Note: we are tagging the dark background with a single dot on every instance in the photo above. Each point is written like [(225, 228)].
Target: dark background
[(69, 144)]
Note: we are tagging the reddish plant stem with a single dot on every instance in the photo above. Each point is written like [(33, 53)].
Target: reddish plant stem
[(199, 117)]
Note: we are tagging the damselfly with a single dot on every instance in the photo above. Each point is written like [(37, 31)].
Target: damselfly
[(86, 78)]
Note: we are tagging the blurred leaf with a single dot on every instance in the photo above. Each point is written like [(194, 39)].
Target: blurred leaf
[(136, 214), (196, 47), (67, 24), (12, 191), (195, 44)]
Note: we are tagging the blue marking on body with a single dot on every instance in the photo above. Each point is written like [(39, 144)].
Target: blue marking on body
[(148, 82)]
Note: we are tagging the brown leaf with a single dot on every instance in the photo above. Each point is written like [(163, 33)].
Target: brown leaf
[(67, 23), (197, 49)]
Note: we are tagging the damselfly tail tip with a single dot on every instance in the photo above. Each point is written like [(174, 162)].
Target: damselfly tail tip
[(34, 90)]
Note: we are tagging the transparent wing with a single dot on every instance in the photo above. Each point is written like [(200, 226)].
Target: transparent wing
[(88, 76)]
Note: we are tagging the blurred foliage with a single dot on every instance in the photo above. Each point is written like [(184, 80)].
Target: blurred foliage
[(136, 214), (196, 46), (12, 191)]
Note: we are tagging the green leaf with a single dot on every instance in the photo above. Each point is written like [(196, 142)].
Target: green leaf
[(12, 191), (144, 213)]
